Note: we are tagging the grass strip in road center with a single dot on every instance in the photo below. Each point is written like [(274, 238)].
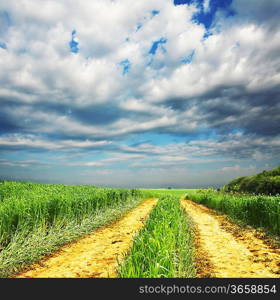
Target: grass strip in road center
[(163, 249)]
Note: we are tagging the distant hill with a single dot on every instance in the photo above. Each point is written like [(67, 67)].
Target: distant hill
[(266, 182)]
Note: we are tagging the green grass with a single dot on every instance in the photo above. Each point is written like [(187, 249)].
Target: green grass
[(36, 219), (158, 193), (255, 210), (163, 249)]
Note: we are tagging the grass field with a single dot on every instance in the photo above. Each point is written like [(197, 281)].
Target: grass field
[(258, 211), (35, 219)]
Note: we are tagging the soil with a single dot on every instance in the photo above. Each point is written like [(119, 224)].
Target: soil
[(96, 255), (227, 250)]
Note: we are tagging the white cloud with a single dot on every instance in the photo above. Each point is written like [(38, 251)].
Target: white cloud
[(55, 100), (206, 6), (239, 169), (38, 66), (23, 163), (35, 142)]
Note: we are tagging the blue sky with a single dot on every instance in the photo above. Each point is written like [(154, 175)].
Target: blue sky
[(181, 93)]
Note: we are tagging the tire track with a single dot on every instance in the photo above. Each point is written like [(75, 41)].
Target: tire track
[(224, 253), (96, 255)]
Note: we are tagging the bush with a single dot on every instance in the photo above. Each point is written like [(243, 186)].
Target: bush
[(266, 182)]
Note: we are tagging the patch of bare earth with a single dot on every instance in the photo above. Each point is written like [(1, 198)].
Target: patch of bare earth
[(98, 254), (226, 250)]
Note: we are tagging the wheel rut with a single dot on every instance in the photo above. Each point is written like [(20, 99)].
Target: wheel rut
[(97, 254), (226, 250)]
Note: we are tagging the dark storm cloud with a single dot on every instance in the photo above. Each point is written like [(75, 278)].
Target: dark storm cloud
[(8, 125), (178, 104), (9, 121), (264, 12), (255, 112), (64, 112), (227, 108), (224, 109), (22, 117), (93, 114), (244, 147)]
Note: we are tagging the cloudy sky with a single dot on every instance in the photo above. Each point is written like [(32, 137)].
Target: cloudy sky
[(149, 93)]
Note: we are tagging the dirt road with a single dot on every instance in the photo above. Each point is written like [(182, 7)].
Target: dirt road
[(226, 250), (95, 255)]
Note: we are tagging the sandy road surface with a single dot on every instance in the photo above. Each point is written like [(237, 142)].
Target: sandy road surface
[(97, 254), (226, 250)]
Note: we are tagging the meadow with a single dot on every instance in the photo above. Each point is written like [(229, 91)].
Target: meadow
[(36, 219), (259, 211)]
